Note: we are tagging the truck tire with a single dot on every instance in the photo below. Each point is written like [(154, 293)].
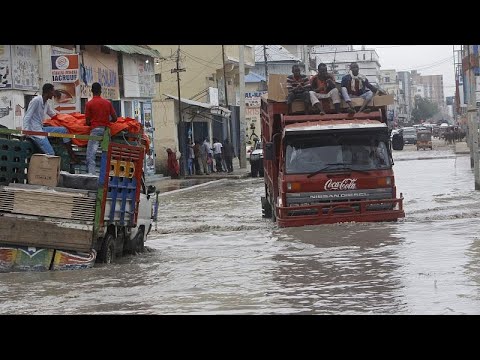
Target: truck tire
[(107, 251), (266, 208)]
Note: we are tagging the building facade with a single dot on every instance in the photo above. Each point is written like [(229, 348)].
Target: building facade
[(209, 83), (115, 67), (339, 57)]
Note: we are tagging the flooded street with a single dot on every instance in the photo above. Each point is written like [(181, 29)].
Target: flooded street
[(212, 253)]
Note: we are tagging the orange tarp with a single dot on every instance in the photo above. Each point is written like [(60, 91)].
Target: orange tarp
[(76, 124)]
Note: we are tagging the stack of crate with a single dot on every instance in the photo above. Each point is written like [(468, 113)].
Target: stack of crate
[(15, 153)]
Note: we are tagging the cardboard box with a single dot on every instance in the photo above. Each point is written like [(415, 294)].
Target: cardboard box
[(44, 170), (298, 106), (277, 87), (383, 100)]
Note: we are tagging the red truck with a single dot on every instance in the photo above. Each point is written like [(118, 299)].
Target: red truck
[(322, 169)]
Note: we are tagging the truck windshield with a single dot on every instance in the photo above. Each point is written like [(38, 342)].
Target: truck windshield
[(327, 153)]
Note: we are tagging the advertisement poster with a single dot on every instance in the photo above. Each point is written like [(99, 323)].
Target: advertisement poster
[(64, 68), (25, 67), (139, 77), (148, 123), (65, 77), (5, 67), (146, 78), (252, 113)]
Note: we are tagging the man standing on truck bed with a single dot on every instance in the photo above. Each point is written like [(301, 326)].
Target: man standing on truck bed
[(33, 121), (98, 114), (357, 85), (323, 86)]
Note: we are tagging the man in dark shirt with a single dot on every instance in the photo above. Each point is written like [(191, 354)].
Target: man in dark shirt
[(323, 86), (357, 85), (228, 154), (298, 86), (99, 112)]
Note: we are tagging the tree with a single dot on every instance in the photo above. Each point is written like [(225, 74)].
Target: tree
[(423, 110)]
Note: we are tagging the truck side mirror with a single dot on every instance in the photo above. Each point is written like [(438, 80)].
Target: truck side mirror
[(269, 151)]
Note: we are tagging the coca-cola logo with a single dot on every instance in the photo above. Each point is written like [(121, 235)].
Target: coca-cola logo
[(345, 184)]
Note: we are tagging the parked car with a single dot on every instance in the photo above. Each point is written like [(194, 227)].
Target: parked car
[(397, 140), (256, 160), (409, 135)]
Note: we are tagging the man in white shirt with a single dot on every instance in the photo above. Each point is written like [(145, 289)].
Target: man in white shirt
[(217, 154), (33, 121)]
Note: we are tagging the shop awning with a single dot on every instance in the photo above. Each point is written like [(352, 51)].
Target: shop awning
[(214, 109), (136, 49)]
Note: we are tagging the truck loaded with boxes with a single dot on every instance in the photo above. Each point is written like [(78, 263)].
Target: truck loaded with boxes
[(330, 168), (52, 219)]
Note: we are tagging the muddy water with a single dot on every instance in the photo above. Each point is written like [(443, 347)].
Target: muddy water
[(212, 253)]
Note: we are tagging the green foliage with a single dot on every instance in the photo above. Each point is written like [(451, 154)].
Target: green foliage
[(423, 110)]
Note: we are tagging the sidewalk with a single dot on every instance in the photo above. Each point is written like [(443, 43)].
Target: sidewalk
[(461, 148), (166, 184)]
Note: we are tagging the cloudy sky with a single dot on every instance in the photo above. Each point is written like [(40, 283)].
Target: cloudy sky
[(426, 59)]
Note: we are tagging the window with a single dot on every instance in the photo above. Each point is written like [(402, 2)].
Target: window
[(158, 78), (386, 79)]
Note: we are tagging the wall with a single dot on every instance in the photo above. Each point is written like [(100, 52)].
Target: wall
[(12, 104), (102, 68), (138, 76), (165, 134), (200, 62)]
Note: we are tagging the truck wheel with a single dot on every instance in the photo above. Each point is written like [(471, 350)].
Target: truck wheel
[(266, 208), (107, 252), (138, 242)]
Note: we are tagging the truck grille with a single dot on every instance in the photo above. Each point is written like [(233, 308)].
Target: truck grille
[(333, 198)]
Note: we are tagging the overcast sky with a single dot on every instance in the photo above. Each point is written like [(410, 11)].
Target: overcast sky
[(426, 59)]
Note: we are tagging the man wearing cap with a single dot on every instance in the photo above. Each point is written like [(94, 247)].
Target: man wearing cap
[(99, 112)]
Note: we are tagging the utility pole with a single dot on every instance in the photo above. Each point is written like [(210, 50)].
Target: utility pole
[(265, 60), (306, 59), (473, 116), (229, 127), (182, 141), (241, 70)]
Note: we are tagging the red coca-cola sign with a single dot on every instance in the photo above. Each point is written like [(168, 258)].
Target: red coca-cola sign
[(345, 184)]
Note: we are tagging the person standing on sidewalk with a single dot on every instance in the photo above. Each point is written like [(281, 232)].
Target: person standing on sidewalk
[(228, 154), (217, 154), (99, 112), (204, 149)]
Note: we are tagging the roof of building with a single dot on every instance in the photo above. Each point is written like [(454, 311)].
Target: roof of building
[(274, 53), (254, 77), (136, 49), (214, 109)]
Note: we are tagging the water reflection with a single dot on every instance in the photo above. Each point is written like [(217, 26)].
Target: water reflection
[(342, 268)]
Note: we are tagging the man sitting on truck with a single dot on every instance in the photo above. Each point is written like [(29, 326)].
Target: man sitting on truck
[(298, 87), (355, 84), (33, 121), (323, 86)]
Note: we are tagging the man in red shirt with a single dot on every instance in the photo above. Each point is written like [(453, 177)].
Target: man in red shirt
[(99, 112)]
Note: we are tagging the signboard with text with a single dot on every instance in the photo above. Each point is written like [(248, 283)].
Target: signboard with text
[(65, 78), (64, 68)]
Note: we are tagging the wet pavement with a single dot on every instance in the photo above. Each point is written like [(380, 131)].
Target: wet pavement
[(212, 253)]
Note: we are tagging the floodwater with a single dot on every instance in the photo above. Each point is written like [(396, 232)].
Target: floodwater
[(212, 253)]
